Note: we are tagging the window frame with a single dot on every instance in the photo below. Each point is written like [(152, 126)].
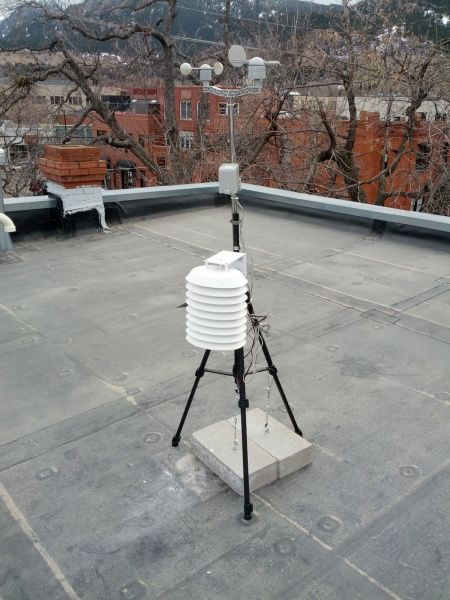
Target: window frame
[(74, 100), (186, 140), (222, 108), (185, 110), (423, 156), (208, 112)]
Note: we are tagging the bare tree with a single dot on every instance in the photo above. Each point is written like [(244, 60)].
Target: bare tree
[(304, 132), (77, 40), (366, 64), (23, 135)]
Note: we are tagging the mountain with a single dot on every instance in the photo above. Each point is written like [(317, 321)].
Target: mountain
[(203, 19), (196, 19), (421, 18)]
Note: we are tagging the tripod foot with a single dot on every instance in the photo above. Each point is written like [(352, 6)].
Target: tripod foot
[(248, 509), (176, 440)]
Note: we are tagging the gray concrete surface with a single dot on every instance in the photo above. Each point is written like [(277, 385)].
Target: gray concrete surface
[(95, 370), (291, 451), (214, 446)]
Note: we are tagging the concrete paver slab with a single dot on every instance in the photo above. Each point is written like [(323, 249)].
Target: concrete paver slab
[(214, 445)]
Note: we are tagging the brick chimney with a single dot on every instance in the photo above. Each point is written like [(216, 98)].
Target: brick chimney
[(72, 166), (74, 175)]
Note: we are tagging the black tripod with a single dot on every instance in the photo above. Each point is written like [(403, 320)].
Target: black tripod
[(238, 375)]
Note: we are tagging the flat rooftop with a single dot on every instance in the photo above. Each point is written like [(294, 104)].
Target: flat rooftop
[(95, 504)]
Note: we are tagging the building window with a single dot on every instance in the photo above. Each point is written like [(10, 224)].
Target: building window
[(128, 178), (154, 109), (206, 109), (186, 140), (446, 152), (75, 100), (423, 157), (17, 151), (39, 99), (223, 108), (56, 99), (185, 110)]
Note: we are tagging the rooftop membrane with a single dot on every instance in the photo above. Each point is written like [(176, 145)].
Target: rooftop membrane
[(95, 371)]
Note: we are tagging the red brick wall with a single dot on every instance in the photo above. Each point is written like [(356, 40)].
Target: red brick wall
[(304, 134), (72, 166)]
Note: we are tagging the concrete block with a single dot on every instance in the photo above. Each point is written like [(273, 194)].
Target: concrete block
[(60, 190), (92, 189), (214, 445), (97, 197), (291, 451), (55, 188)]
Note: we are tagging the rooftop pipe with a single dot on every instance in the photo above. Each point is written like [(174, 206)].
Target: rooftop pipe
[(7, 223)]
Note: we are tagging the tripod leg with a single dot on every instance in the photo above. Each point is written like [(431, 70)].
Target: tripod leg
[(243, 405), (273, 371), (198, 375)]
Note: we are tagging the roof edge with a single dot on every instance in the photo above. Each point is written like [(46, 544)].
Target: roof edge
[(176, 196)]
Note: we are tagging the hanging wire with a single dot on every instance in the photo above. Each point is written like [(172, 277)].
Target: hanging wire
[(250, 263), (257, 328), (257, 324), (236, 443), (269, 385), (254, 351)]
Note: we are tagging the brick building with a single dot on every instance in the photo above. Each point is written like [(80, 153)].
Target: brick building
[(141, 114), (142, 117), (376, 146)]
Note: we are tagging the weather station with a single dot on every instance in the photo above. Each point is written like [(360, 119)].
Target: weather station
[(220, 316)]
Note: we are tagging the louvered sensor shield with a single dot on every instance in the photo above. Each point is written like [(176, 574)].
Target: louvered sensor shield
[(217, 303)]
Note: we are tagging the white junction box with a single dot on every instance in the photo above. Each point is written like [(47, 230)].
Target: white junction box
[(229, 180), (229, 259)]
